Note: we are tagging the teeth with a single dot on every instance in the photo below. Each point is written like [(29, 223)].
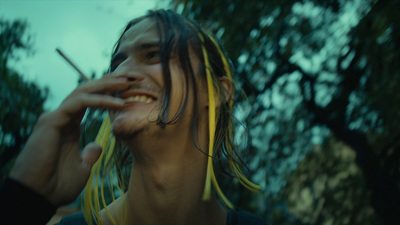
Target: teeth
[(142, 99), (139, 98)]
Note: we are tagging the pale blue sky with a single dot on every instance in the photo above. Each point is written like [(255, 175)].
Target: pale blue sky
[(85, 30)]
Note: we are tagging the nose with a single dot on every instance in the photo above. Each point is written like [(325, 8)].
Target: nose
[(129, 70), (132, 78)]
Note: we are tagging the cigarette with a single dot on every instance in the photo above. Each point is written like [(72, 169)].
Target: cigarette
[(85, 78)]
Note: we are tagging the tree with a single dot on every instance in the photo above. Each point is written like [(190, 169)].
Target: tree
[(331, 193), (312, 70), (21, 102)]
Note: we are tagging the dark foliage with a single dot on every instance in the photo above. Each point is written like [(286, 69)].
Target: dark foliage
[(316, 73), (21, 102)]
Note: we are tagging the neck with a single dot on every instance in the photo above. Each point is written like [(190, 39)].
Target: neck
[(170, 195), (166, 187)]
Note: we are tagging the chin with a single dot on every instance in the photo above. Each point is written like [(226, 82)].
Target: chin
[(121, 128), (126, 130)]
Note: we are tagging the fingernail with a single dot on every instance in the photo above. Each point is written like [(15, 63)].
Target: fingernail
[(88, 166)]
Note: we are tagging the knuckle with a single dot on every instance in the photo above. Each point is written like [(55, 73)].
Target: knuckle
[(45, 116)]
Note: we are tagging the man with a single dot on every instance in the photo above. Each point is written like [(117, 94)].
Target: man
[(169, 97)]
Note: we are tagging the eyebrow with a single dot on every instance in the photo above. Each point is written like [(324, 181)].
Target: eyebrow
[(147, 45)]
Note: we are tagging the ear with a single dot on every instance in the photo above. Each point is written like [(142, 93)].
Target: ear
[(228, 88)]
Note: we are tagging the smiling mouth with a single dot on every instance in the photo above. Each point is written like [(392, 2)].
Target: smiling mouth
[(139, 98)]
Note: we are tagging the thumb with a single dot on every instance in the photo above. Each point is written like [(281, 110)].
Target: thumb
[(90, 154)]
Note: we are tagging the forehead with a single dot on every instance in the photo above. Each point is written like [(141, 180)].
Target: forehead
[(143, 31)]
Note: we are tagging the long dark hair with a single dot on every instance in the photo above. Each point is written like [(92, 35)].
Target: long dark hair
[(177, 33)]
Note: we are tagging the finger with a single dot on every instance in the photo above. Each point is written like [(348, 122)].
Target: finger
[(103, 85), (79, 103), (90, 154)]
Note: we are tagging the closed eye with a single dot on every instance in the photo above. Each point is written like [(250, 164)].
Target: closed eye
[(153, 56)]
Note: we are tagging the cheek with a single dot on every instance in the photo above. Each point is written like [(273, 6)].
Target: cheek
[(155, 74)]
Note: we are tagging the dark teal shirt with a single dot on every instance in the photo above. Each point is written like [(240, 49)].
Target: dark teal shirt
[(21, 205), (235, 217)]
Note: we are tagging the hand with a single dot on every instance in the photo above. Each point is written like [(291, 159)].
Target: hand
[(50, 162)]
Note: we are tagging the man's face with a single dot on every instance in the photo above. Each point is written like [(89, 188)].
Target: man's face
[(138, 57)]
